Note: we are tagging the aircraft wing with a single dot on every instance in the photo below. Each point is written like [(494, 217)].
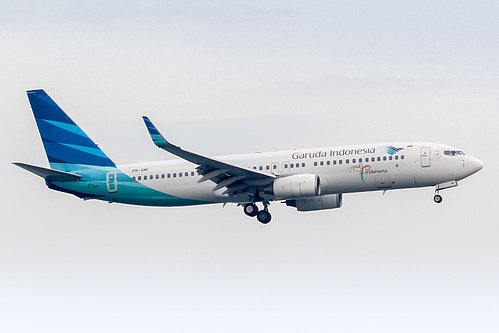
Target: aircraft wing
[(236, 179)]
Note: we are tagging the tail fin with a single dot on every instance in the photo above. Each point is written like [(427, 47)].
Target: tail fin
[(64, 142)]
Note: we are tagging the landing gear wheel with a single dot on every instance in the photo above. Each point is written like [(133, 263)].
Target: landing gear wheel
[(438, 198), (264, 216), (250, 209)]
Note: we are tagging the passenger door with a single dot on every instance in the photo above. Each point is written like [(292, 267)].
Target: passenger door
[(425, 157)]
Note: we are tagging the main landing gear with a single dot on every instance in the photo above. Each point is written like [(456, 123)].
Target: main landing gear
[(263, 216)]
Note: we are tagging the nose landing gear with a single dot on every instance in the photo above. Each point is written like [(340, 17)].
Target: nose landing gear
[(438, 198), (263, 216)]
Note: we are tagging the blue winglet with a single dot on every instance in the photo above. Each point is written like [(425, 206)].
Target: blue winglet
[(156, 136)]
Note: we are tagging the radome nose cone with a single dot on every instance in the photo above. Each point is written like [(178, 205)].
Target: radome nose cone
[(475, 165)]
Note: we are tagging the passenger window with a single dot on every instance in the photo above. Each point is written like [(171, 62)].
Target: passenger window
[(174, 175), (360, 160), (315, 163), (328, 162), (402, 157), (372, 159), (260, 168), (384, 158), (180, 174), (157, 176), (347, 161), (322, 163), (192, 173), (133, 178), (390, 157), (379, 158), (334, 162), (169, 175), (303, 165), (162, 175), (341, 161), (274, 167), (353, 161), (187, 174), (285, 166), (139, 177), (297, 165), (396, 157), (267, 167), (292, 165)]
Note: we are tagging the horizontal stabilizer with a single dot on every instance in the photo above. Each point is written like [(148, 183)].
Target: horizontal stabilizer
[(49, 174)]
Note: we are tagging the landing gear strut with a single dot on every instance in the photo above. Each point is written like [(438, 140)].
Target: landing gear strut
[(263, 216), (437, 198)]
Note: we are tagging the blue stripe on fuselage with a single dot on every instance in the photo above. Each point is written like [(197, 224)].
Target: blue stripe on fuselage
[(93, 185)]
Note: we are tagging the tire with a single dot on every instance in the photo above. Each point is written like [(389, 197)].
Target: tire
[(250, 209), (438, 199), (264, 216)]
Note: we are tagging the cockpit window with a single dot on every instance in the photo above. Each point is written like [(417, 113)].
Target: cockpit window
[(453, 152)]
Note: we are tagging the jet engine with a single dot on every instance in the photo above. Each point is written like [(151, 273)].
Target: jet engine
[(295, 186), (329, 201)]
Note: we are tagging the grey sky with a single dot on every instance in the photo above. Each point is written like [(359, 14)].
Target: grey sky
[(223, 77)]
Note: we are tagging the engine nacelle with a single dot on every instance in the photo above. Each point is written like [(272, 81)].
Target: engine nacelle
[(295, 186), (329, 201)]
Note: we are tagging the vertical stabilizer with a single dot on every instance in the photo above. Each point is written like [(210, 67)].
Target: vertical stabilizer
[(64, 142)]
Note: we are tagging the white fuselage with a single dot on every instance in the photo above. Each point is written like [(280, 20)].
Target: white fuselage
[(342, 169)]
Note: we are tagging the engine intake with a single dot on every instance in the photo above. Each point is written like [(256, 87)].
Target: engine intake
[(329, 201), (295, 186)]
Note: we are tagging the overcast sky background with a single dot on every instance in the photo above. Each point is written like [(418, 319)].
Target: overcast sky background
[(223, 77)]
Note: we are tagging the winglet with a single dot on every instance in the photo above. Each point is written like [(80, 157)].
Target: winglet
[(156, 136)]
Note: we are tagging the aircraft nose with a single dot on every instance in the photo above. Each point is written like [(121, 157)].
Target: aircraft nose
[(474, 165)]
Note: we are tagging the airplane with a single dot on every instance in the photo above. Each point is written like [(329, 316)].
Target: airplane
[(306, 179)]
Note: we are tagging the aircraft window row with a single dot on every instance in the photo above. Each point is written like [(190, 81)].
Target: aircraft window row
[(267, 167), (361, 160), (296, 165), (453, 152), (163, 176), (292, 165)]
